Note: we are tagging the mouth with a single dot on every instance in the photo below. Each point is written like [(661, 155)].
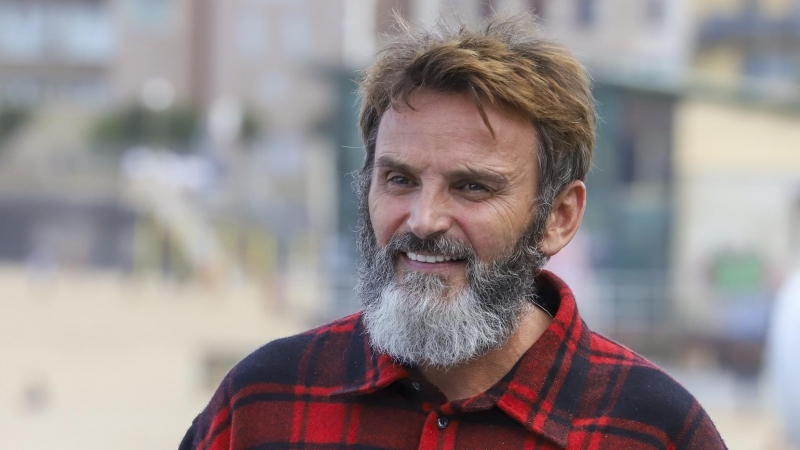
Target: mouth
[(431, 258), (446, 265)]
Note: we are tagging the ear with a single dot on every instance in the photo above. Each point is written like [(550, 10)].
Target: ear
[(565, 218)]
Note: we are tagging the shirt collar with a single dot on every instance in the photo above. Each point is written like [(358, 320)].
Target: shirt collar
[(367, 371), (541, 392)]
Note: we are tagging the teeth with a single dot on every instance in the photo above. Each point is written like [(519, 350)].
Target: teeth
[(429, 258)]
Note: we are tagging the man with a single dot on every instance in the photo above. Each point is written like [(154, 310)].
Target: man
[(784, 368), (478, 141)]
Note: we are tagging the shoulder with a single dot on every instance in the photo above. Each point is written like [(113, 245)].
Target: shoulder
[(311, 363), (642, 385), (632, 394), (286, 361)]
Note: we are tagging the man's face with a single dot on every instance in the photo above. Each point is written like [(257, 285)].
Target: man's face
[(439, 172), (448, 231)]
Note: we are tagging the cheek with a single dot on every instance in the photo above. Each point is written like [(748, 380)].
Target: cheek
[(490, 235), (386, 217)]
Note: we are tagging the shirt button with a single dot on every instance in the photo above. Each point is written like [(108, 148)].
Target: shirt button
[(417, 387), (442, 422)]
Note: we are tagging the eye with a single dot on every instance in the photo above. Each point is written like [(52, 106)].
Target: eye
[(475, 187), (399, 180)]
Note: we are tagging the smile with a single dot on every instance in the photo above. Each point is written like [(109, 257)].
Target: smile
[(430, 258)]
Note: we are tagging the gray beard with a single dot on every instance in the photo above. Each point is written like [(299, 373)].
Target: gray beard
[(419, 319)]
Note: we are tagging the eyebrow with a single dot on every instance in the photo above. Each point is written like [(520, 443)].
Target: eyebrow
[(480, 175), (386, 162)]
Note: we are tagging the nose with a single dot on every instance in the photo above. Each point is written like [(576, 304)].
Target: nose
[(429, 215)]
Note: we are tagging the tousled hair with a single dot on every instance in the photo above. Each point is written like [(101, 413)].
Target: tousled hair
[(502, 62)]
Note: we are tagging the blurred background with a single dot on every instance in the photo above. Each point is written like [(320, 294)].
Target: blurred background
[(175, 192)]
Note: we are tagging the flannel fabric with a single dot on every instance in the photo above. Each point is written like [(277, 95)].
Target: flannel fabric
[(326, 389)]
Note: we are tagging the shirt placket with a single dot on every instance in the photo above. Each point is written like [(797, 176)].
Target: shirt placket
[(439, 430)]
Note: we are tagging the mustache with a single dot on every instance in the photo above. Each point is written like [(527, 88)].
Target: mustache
[(445, 245)]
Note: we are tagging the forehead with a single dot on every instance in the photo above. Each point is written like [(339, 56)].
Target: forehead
[(448, 128)]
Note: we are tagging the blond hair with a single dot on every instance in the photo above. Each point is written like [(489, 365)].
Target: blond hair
[(502, 62)]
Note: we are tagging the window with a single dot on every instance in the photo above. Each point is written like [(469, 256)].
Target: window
[(297, 34), (69, 31), (21, 30), (252, 35), (85, 33)]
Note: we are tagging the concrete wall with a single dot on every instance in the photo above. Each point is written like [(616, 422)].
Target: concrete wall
[(92, 361)]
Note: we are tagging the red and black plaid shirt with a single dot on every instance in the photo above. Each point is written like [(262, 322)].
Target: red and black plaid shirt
[(326, 389)]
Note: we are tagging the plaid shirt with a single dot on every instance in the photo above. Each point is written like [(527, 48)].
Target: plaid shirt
[(326, 389)]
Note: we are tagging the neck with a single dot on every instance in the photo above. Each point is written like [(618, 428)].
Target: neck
[(479, 374)]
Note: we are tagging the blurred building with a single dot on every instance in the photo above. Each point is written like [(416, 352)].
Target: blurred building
[(55, 50), (282, 67), (56, 61), (737, 197), (107, 50), (698, 101), (693, 216), (290, 66), (749, 42), (642, 39)]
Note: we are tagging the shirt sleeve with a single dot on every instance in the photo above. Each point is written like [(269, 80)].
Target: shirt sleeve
[(211, 430), (700, 435), (188, 440)]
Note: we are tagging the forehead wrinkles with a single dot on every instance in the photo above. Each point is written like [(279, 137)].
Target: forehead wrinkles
[(439, 120), (436, 133), (468, 160)]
